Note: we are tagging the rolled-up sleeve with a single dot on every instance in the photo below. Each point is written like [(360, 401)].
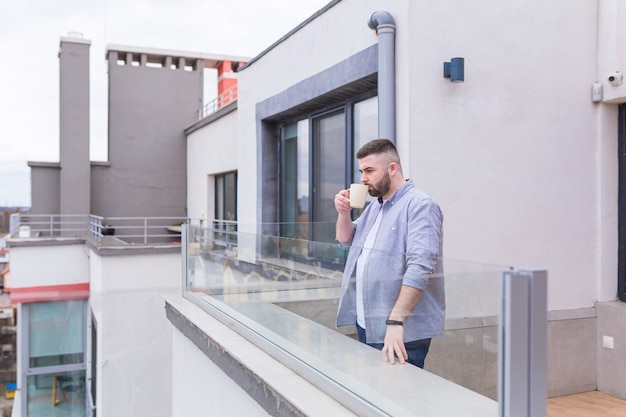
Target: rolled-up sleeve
[(424, 242), (349, 242)]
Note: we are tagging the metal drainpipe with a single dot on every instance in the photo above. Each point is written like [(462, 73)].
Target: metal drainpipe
[(384, 25)]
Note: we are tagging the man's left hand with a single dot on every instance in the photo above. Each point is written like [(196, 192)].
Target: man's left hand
[(394, 345)]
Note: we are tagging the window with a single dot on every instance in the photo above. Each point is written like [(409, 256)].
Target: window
[(226, 196), (621, 279), (56, 333), (316, 161), (295, 180), (225, 209), (55, 363), (365, 126), (329, 173), (94, 356)]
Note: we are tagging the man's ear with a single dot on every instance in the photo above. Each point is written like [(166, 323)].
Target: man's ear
[(393, 168)]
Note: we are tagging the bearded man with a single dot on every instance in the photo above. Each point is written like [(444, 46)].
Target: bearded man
[(392, 288)]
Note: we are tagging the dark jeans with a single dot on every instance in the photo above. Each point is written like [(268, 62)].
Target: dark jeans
[(416, 350)]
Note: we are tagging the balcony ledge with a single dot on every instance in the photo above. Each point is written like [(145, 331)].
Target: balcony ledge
[(317, 390)]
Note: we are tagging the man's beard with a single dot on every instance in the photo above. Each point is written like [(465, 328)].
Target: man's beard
[(382, 187)]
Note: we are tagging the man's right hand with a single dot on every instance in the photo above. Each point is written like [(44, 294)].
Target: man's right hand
[(342, 202), (344, 228)]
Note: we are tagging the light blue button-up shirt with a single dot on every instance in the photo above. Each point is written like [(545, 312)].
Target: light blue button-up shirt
[(408, 251)]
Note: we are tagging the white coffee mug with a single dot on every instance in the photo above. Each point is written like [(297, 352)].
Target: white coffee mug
[(358, 195)]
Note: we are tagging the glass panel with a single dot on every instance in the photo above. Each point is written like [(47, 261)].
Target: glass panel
[(330, 177), (295, 184), (621, 190), (225, 207), (230, 196), (219, 197), (365, 126), (293, 305), (94, 361), (59, 394), (56, 333)]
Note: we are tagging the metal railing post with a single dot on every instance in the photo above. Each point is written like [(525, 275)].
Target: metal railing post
[(14, 226), (184, 243), (523, 344), (538, 380)]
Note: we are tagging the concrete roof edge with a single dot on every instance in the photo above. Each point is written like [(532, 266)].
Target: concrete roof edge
[(172, 52)]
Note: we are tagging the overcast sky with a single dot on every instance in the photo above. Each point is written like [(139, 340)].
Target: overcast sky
[(30, 32)]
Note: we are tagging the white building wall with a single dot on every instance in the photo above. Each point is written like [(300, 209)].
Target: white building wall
[(134, 363), (611, 57), (201, 388), (512, 153), (36, 266), (606, 179), (611, 50), (210, 151)]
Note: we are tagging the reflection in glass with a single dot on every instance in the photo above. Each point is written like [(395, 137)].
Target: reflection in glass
[(226, 196), (279, 293), (59, 394), (365, 126), (295, 184), (314, 168), (329, 178), (56, 333)]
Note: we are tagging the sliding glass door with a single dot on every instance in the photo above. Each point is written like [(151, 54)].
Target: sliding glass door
[(317, 160)]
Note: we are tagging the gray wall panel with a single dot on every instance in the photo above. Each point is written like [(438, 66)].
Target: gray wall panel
[(149, 108), (45, 193), (74, 126)]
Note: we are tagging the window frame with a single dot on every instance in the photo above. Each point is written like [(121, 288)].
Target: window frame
[(347, 108), (221, 191), (621, 221), (326, 89), (28, 371)]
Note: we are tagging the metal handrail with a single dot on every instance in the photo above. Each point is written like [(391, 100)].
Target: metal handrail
[(35, 225), (217, 103), (121, 230), (142, 230), (224, 233)]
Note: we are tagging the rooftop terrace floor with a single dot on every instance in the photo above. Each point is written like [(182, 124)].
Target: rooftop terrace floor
[(587, 404)]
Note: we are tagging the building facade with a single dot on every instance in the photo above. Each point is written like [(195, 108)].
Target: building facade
[(521, 156), (525, 164)]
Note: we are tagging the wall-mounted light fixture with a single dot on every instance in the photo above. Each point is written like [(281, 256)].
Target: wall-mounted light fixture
[(455, 70)]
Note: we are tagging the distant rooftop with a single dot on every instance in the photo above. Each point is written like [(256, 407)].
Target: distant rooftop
[(75, 37), (157, 54)]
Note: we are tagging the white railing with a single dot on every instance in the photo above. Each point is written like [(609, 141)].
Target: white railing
[(217, 103), (136, 230), (225, 233), (101, 230), (40, 225)]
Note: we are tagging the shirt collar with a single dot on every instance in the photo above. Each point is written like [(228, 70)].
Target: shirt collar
[(399, 193)]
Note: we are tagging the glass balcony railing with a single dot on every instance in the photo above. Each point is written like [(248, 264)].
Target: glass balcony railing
[(283, 293)]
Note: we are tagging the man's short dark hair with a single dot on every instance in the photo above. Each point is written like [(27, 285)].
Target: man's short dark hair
[(378, 147)]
